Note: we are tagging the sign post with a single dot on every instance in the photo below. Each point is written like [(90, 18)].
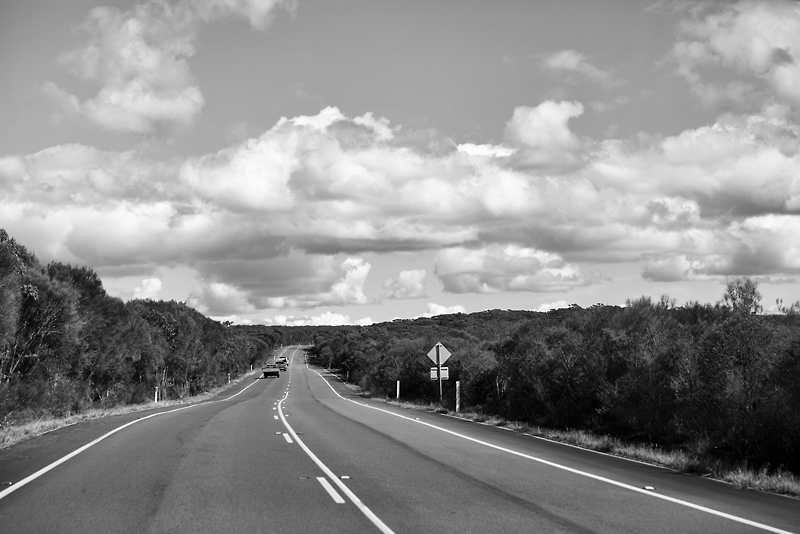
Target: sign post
[(439, 355)]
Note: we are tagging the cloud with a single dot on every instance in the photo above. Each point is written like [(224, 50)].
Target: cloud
[(217, 298), (139, 57), (345, 291), (757, 42), (324, 319), (148, 289), (438, 309), (542, 136), (505, 268), (548, 306), (407, 285), (573, 61), (276, 217)]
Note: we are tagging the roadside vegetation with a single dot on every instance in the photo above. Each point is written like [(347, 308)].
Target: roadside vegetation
[(710, 389), (778, 480), (68, 349)]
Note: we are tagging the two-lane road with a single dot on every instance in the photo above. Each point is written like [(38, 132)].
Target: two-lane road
[(301, 453)]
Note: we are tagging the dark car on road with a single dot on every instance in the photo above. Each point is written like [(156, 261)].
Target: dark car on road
[(270, 370)]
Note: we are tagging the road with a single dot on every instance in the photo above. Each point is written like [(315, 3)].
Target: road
[(303, 453)]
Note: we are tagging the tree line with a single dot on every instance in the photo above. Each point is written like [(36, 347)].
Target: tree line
[(721, 379), (66, 345)]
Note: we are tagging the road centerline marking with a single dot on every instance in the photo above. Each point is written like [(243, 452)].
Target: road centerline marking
[(341, 485)]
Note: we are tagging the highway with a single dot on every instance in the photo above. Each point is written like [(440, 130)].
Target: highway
[(303, 453)]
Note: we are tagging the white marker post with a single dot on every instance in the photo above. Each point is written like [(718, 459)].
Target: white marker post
[(398, 390), (156, 397), (458, 395)]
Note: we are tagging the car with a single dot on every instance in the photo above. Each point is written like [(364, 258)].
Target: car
[(282, 365), (270, 370)]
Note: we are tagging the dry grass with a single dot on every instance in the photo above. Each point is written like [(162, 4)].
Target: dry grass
[(12, 434), (773, 481)]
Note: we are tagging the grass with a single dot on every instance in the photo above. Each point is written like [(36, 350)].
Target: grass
[(15, 433), (773, 481)]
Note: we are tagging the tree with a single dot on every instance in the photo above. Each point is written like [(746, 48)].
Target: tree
[(742, 296)]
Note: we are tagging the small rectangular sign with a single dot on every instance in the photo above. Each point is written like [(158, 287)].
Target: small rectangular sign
[(445, 373)]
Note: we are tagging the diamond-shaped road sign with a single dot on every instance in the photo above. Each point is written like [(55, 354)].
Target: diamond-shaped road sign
[(443, 353)]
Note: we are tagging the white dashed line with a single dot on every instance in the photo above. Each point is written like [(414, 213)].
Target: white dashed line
[(342, 487)]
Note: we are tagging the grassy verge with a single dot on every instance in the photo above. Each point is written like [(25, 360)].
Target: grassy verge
[(9, 435), (772, 481)]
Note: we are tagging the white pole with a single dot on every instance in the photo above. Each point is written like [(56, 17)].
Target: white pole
[(156, 397), (458, 395), (229, 378), (439, 371), (398, 390)]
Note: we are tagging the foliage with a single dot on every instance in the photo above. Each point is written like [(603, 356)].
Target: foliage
[(66, 345), (720, 380)]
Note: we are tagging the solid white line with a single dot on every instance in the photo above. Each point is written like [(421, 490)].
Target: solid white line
[(287, 437), (42, 471), (344, 489), (332, 492), (575, 471)]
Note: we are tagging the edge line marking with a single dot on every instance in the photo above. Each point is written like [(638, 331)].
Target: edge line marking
[(574, 471), (30, 478)]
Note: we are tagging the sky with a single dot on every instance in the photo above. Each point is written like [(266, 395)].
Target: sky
[(290, 162)]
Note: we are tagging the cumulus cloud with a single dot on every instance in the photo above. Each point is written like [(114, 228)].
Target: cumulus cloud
[(275, 218), (505, 268), (347, 290), (542, 136), (407, 285), (572, 61), (148, 289), (218, 298), (757, 41), (139, 57)]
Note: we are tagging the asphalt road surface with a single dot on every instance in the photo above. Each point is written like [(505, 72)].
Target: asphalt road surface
[(302, 453)]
